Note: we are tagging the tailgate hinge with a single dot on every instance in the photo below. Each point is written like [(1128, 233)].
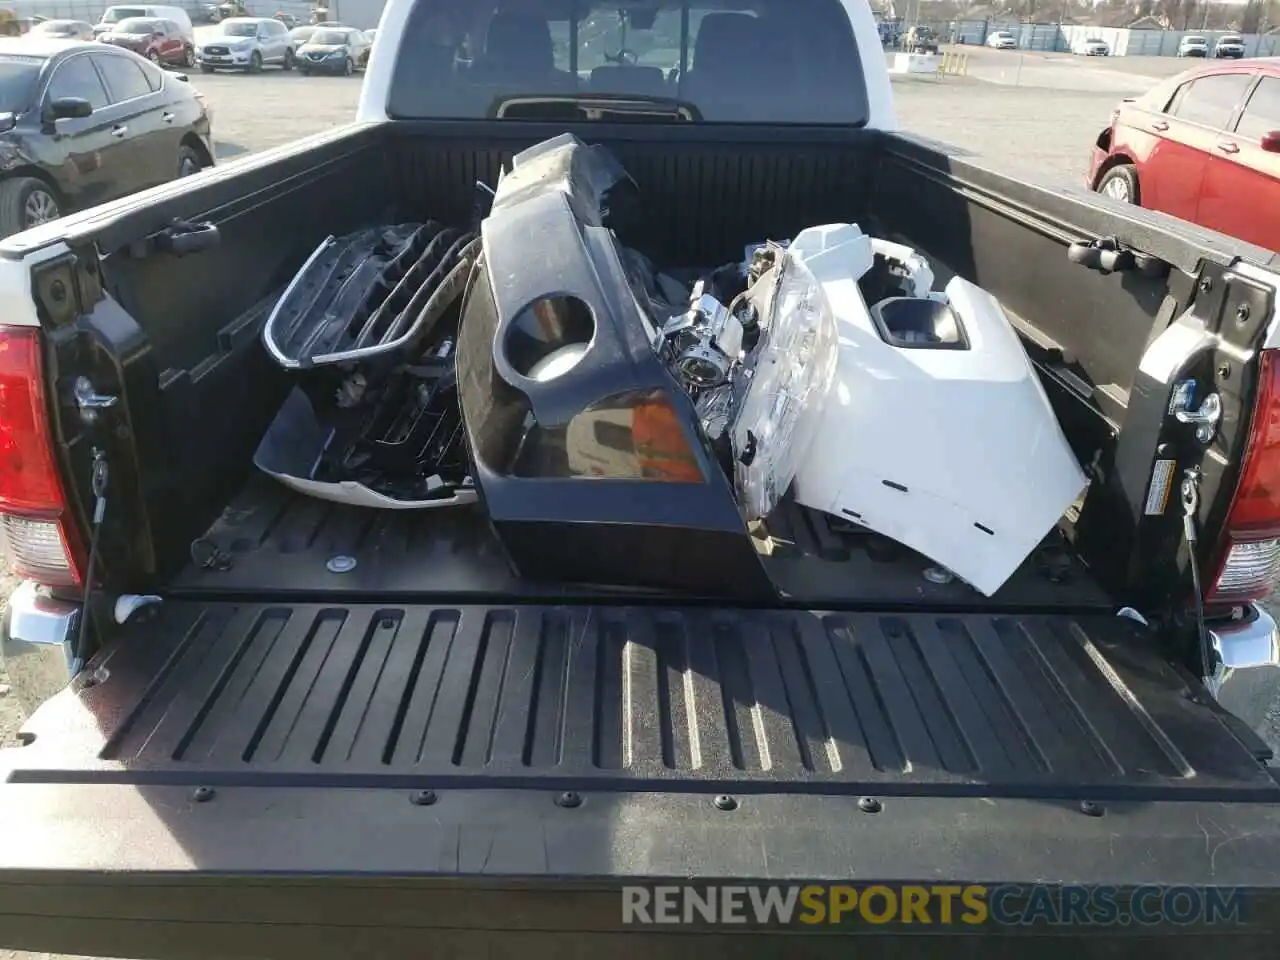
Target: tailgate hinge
[(89, 402)]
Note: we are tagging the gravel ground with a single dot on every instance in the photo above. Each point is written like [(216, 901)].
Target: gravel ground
[(1032, 115), (1010, 128)]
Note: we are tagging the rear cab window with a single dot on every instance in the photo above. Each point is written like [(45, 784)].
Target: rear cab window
[(752, 61), (1262, 113), (1210, 101)]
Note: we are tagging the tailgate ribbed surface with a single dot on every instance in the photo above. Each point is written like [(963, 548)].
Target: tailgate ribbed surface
[(833, 702)]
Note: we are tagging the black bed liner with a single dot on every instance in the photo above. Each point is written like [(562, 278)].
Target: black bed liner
[(640, 698), (278, 543), (333, 781)]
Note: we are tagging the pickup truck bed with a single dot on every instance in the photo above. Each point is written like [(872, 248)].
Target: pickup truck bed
[(424, 749)]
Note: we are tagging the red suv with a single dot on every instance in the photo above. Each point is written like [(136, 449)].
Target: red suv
[(160, 41), (1203, 146)]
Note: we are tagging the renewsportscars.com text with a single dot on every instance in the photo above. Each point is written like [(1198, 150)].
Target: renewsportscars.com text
[(938, 904)]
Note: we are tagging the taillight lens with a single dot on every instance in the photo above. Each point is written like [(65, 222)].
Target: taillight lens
[(33, 508), (1249, 555)]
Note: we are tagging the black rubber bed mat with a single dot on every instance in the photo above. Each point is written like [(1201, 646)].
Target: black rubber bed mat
[(640, 698)]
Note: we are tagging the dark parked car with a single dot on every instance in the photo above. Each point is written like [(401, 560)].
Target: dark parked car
[(301, 34), (160, 41), (83, 123), (63, 30), (334, 50)]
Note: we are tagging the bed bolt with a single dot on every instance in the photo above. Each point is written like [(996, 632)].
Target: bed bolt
[(569, 799), (870, 805), (1224, 371), (422, 798), (725, 802), (938, 575), (202, 794), (1242, 313), (1091, 809), (340, 564), (1206, 284), (58, 291)]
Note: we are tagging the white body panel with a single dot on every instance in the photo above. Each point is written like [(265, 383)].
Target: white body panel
[(915, 63), (955, 453)]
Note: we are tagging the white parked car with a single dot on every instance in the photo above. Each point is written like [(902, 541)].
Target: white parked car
[(113, 15), (248, 44), (1092, 47), (1193, 47), (1229, 47), (1002, 40)]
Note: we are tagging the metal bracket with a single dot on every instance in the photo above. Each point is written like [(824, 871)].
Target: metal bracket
[(89, 401), (1206, 417), (87, 398)]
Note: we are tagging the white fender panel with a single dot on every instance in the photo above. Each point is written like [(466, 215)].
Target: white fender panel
[(955, 453)]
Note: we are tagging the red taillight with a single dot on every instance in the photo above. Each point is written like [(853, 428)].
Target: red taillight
[(33, 508), (1248, 561)]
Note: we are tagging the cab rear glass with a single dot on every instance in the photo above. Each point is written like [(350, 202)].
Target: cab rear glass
[(738, 61)]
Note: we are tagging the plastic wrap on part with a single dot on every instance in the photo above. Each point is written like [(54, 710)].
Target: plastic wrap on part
[(792, 370)]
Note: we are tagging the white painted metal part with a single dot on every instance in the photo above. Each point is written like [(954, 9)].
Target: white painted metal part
[(915, 63), (128, 604), (954, 452)]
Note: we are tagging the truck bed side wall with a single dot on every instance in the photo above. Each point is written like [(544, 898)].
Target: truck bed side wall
[(185, 352)]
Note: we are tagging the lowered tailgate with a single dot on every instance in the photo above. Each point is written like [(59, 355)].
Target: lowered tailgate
[(227, 755)]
